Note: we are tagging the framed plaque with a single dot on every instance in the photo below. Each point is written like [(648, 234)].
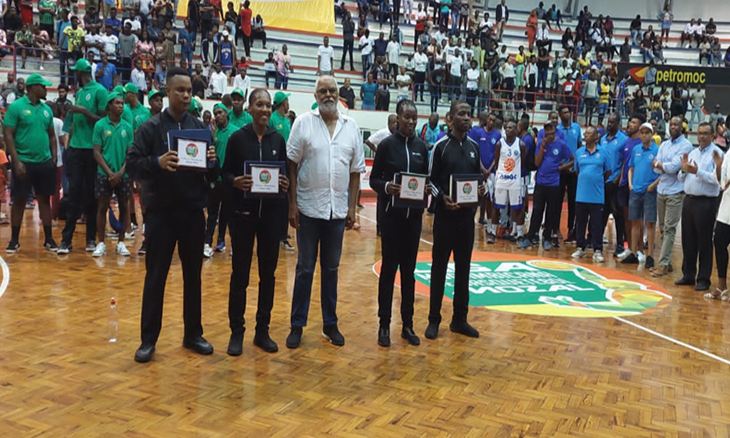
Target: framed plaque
[(265, 175), (192, 148), (465, 189), (413, 193)]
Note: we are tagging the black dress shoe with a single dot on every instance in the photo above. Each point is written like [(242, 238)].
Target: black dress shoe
[(685, 282), (264, 342), (432, 331), (198, 344), (384, 337), (332, 334), (144, 353), (294, 338), (409, 335), (235, 344), (463, 328), (702, 285)]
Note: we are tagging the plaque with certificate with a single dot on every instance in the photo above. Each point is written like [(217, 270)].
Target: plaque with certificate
[(265, 175), (413, 193), (465, 189), (192, 148)]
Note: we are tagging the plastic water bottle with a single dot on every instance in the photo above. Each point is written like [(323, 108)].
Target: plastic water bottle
[(113, 321)]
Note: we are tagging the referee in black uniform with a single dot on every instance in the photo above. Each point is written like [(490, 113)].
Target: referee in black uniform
[(400, 227), (175, 199), (453, 225)]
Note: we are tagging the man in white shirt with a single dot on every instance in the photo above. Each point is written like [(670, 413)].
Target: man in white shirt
[(404, 82), (325, 162), (139, 79), (111, 42), (218, 83), (94, 44), (419, 79), (134, 24), (243, 82), (455, 63), (440, 35), (366, 51), (325, 58), (393, 51), (543, 39)]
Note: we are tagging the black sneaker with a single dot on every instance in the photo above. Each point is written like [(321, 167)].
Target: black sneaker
[(65, 248), (235, 344), (50, 245), (294, 338), (12, 248), (409, 335), (631, 259), (332, 334), (90, 245), (465, 329), (142, 249), (384, 337), (264, 342), (649, 262), (432, 331)]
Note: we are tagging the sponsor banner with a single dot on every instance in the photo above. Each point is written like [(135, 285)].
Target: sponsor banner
[(539, 286)]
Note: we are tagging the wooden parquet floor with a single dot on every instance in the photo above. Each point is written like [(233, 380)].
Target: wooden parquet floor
[(527, 376)]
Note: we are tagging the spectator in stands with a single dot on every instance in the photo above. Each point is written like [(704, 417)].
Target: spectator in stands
[(348, 94), (698, 102), (715, 52), (145, 52), (199, 82), (711, 27), (419, 78), (367, 93), (139, 79), (635, 28), (666, 17), (23, 42), (421, 19), (646, 48), (380, 47), (270, 69), (625, 51), (106, 73), (160, 78), (502, 17), (531, 32), (228, 55), (404, 83), (283, 68), (325, 58), (699, 31), (366, 52), (543, 39), (591, 93), (348, 39), (688, 33), (218, 83), (568, 42), (657, 49), (258, 31), (704, 51), (114, 22), (384, 81), (393, 51), (209, 50), (384, 13), (445, 10), (242, 81), (246, 27), (436, 78), (485, 29)]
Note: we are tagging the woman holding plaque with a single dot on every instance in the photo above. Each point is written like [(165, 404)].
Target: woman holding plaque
[(253, 172), (399, 177)]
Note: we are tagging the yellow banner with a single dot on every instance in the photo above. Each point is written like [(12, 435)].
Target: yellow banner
[(305, 15)]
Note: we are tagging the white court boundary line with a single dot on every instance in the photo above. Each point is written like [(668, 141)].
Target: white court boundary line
[(618, 318), (6, 276)]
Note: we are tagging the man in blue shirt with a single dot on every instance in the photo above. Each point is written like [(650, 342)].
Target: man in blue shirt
[(613, 143), (380, 46), (700, 174), (106, 72), (593, 168), (486, 137), (430, 131), (642, 199), (61, 25), (568, 179), (632, 140), (551, 156), (114, 22), (670, 191)]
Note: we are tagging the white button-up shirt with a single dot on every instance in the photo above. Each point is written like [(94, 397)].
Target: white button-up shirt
[(704, 182), (325, 164)]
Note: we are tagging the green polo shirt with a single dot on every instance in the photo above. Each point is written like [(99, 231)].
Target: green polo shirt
[(31, 123), (45, 17), (281, 124), (220, 140), (140, 114), (127, 115), (114, 142), (239, 121), (92, 97)]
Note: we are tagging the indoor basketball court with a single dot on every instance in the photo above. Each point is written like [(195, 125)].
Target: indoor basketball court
[(566, 349)]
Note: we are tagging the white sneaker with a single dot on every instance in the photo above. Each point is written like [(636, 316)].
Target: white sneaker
[(207, 251), (598, 257), (100, 250), (623, 254), (122, 249), (49, 57), (42, 68), (129, 236), (579, 254), (640, 255)]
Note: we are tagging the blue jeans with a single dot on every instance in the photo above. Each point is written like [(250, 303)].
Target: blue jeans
[(696, 111), (325, 235), (646, 54), (365, 65), (282, 82), (454, 20), (635, 34), (186, 53)]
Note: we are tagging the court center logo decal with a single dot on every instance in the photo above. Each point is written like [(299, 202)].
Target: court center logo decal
[(551, 287)]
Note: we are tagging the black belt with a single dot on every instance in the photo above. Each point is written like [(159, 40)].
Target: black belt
[(701, 198)]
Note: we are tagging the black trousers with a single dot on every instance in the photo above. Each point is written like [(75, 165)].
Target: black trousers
[(545, 197), (568, 184), (258, 36), (125, 65), (589, 215), (246, 44), (722, 240), (347, 48), (452, 232), (399, 246), (81, 169), (165, 230), (267, 232), (610, 206), (216, 215), (383, 100), (698, 218), (418, 84)]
